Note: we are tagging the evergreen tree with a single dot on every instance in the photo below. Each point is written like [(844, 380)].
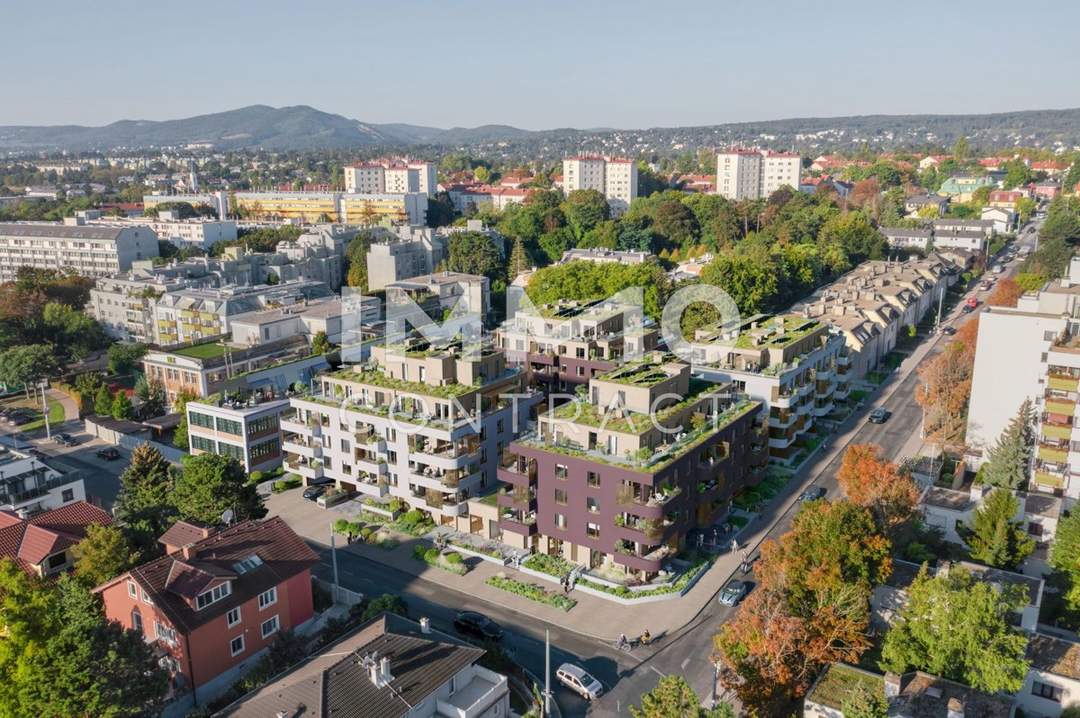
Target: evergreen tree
[(144, 504), (519, 260), (180, 433), (995, 538), (1065, 557), (1010, 457), (320, 344), (121, 406), (103, 401)]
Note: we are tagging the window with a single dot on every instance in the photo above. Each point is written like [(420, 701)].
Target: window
[(67, 495), (560, 521), (593, 505), (133, 590), (593, 479), (201, 443), (1047, 691), (164, 633), (146, 598), (236, 645), (269, 626), (560, 471), (560, 497), (593, 530), (198, 419), (233, 617), (214, 595), (228, 426), (242, 567), (56, 560), (268, 598), (267, 448), (136, 621)]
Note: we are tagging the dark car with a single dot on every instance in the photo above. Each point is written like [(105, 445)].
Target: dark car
[(65, 439), (18, 418), (812, 494), (879, 415), (109, 453), (477, 625), (312, 493), (948, 330)]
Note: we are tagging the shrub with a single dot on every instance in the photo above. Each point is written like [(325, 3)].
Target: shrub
[(284, 485), (256, 477), (532, 592), (366, 533), (453, 557), (341, 526)]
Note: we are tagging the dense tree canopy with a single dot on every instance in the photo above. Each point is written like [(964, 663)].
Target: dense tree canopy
[(209, 484), (588, 281)]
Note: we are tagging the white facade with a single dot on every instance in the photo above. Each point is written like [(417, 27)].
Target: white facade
[(88, 251), (29, 486), (391, 177), (615, 178), (754, 174)]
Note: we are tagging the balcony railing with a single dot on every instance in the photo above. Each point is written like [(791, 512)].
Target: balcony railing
[(1053, 454), (1062, 382), (1061, 406), (1061, 432)]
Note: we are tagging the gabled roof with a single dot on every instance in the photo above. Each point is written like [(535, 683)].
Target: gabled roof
[(31, 541), (171, 581)]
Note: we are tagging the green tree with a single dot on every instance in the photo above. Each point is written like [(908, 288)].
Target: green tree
[(475, 253), (180, 434), (555, 243), (585, 209), (751, 282), (961, 150), (519, 260), (994, 537), (209, 484), (27, 365), (103, 401), (320, 344), (144, 503), (386, 603), (1065, 556), (103, 554), (74, 333), (124, 358), (121, 406), (673, 698), (1010, 456), (1016, 173), (959, 628)]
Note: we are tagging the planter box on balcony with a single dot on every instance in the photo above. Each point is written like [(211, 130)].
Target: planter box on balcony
[(1057, 456), (1062, 383), (1060, 406), (1055, 431)]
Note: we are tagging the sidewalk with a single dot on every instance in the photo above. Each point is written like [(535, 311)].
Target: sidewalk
[(596, 617)]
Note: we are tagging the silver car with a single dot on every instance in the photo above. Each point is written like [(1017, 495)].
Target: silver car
[(733, 592), (578, 680)]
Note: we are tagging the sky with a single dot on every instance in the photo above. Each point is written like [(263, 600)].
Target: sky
[(537, 64)]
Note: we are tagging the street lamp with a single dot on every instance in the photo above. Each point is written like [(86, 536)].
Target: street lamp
[(45, 407)]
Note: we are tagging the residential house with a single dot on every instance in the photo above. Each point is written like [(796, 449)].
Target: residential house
[(1004, 220), (29, 485), (41, 544), (961, 188), (917, 203), (216, 600), (1053, 680)]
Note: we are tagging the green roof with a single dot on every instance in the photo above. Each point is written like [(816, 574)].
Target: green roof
[(795, 328), (634, 423), (840, 681), (379, 379), (210, 350), (646, 371)]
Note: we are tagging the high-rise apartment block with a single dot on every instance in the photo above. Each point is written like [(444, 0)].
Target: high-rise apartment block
[(422, 422), (391, 177), (614, 177), (755, 174), (88, 251)]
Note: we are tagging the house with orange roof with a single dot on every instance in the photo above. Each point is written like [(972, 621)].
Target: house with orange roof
[(42, 544)]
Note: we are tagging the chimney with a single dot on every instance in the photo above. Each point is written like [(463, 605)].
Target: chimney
[(955, 708), (892, 685), (425, 625), (189, 551), (387, 677)]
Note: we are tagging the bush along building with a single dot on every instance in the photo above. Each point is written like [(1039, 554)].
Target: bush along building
[(614, 481), (424, 423)]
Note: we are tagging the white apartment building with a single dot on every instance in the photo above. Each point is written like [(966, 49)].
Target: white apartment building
[(755, 174), (29, 486), (88, 251), (600, 255), (391, 177), (411, 252), (420, 422), (614, 177), (218, 200), (441, 291), (195, 232), (1032, 352)]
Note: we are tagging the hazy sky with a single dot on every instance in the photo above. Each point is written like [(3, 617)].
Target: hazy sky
[(536, 63)]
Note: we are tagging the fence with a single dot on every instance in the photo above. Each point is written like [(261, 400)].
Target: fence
[(132, 441)]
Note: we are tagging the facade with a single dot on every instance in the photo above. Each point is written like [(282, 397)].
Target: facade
[(909, 237), (1035, 345), (244, 426), (29, 486), (602, 486), (41, 545), (410, 252), (390, 667), (961, 188), (563, 347), (917, 203), (614, 177), (1003, 219), (196, 232), (391, 177), (219, 201), (756, 174), (421, 422), (467, 198), (304, 320), (1053, 680), (797, 368), (439, 292), (201, 370), (604, 256), (88, 251), (347, 208), (217, 600)]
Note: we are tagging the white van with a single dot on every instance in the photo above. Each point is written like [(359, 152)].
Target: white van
[(578, 680)]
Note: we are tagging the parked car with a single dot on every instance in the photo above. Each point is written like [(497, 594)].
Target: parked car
[(948, 330), (879, 415), (579, 681), (65, 439), (19, 418), (733, 592), (109, 453), (312, 493), (812, 494), (478, 625)]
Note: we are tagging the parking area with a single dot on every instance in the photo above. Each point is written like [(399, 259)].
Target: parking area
[(306, 518)]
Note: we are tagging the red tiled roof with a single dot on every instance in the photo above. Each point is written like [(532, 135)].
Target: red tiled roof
[(29, 542), (182, 533), (283, 555)]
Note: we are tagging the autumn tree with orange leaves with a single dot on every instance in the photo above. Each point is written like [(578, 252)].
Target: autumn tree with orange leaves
[(1005, 294), (868, 480), (811, 606), (945, 387)]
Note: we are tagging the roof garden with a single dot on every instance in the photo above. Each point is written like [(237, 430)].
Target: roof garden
[(840, 681), (581, 411), (210, 350), (769, 335), (648, 371), (374, 377)]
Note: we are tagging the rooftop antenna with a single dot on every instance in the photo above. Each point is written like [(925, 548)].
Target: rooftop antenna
[(227, 517)]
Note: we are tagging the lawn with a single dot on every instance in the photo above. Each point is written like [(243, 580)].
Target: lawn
[(202, 351), (56, 413)]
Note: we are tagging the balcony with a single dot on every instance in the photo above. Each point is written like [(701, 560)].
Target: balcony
[(1062, 382), (1050, 480), (1061, 406), (516, 470), (783, 421), (297, 426), (517, 497), (309, 469), (292, 445), (1053, 454), (476, 697), (519, 522), (1060, 432)]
